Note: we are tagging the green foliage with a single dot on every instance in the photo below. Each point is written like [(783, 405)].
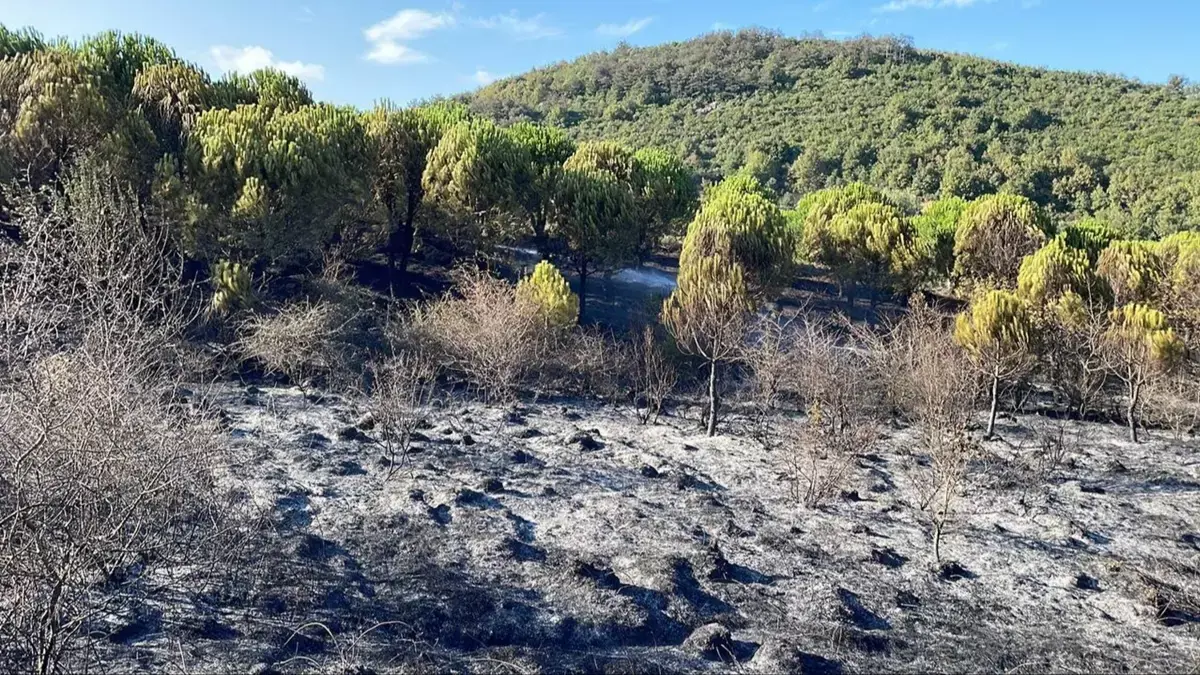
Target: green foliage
[(117, 58), (266, 87), (276, 179), (21, 41), (1142, 333), (54, 105), (994, 235), (1055, 270), (1132, 269), (738, 224), (668, 196), (557, 305), (399, 142), (609, 157), (172, 96), (817, 211), (545, 149), (475, 171), (873, 243), (875, 109), (1090, 235), (936, 227), (594, 219), (997, 331), (231, 287)]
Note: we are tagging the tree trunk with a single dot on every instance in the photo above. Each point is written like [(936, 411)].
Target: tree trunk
[(400, 241), (1135, 393), (991, 425), (712, 398), (540, 241), (583, 275)]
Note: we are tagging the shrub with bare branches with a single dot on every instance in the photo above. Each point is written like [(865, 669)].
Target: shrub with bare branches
[(104, 476), (401, 401), (930, 381), (652, 375), (303, 341), (485, 332)]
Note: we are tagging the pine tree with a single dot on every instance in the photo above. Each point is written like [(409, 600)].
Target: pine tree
[(1138, 347), (936, 228), (994, 235), (737, 252), (1054, 270), (998, 332), (1132, 269), (546, 288)]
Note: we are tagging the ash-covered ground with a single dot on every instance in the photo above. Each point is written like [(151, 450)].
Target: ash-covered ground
[(564, 536)]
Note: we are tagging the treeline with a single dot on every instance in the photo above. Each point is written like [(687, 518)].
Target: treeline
[(255, 176), (809, 113)]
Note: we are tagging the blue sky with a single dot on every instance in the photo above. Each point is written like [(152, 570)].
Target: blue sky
[(357, 51)]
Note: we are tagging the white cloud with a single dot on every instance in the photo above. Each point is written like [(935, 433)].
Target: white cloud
[(483, 77), (719, 25), (624, 29), (387, 37), (901, 5), (528, 28), (249, 59)]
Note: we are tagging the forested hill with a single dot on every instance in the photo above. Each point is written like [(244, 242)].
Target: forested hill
[(811, 112)]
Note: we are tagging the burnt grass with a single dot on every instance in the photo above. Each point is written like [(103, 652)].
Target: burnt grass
[(564, 537)]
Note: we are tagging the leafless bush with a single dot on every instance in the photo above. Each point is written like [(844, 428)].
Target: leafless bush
[(305, 342), (831, 374), (1071, 361), (928, 379), (103, 475), (819, 454), (652, 375), (401, 401), (1174, 402), (1056, 446), (583, 362), (484, 332)]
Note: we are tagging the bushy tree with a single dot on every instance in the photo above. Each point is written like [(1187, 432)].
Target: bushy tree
[(737, 251), (172, 96), (1056, 269), (874, 244), (116, 58), (548, 289), (998, 333), (668, 196), (1180, 253), (1091, 235), (595, 220), (936, 227), (545, 148), (53, 106), (399, 142), (817, 211), (1132, 269), (1138, 347), (267, 87), (276, 181), (995, 233), (475, 172)]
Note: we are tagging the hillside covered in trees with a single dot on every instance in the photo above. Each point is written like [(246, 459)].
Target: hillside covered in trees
[(809, 113)]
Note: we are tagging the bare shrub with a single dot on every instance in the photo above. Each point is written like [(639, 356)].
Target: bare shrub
[(1173, 402), (819, 454), (930, 381), (1056, 444), (652, 375), (832, 375), (401, 401), (1071, 362), (303, 341), (104, 476), (484, 332), (591, 362)]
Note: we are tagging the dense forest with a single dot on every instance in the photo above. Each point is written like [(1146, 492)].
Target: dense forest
[(812, 112)]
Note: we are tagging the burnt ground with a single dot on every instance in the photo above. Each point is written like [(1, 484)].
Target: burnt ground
[(562, 536)]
